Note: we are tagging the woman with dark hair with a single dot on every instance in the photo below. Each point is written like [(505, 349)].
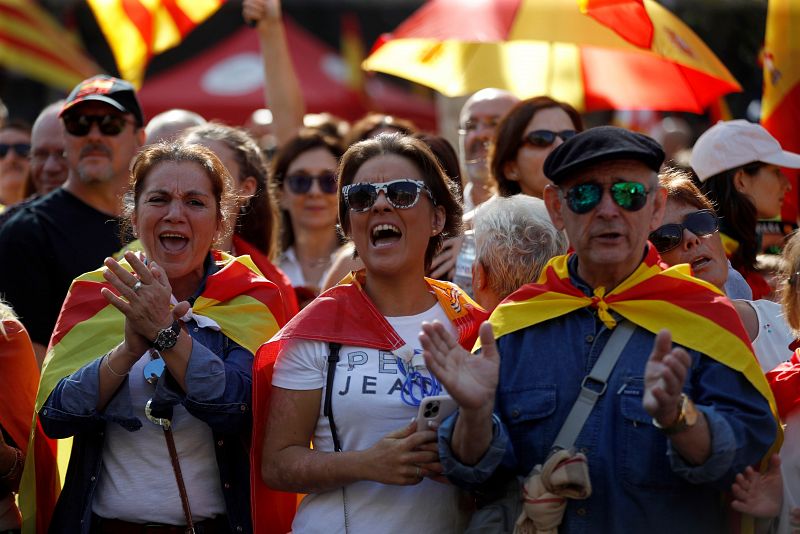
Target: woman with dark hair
[(149, 369), (523, 140), (738, 165), (256, 226), (373, 124), (304, 176), (368, 465)]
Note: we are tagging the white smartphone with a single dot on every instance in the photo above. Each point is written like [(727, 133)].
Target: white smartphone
[(434, 409)]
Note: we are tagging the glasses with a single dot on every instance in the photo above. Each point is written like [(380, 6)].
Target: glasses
[(300, 183), (81, 125), (472, 125), (630, 196), (20, 149), (545, 138), (401, 194), (701, 223)]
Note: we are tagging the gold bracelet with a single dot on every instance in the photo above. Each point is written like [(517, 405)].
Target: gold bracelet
[(112, 371)]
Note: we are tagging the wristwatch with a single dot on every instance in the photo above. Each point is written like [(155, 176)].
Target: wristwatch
[(687, 417), (167, 337)]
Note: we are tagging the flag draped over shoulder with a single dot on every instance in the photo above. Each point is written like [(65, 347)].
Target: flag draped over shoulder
[(137, 30), (780, 103), (245, 305), (342, 314), (696, 313), (18, 382), (35, 44)]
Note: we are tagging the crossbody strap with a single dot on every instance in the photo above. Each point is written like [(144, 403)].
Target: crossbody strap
[(327, 407), (594, 385)]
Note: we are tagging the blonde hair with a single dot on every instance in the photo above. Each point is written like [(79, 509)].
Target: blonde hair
[(790, 288), (6, 314)]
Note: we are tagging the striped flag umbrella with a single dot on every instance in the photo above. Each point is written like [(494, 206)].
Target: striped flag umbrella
[(594, 54)]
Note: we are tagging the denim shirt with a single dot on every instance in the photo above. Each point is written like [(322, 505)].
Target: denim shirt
[(219, 382), (639, 483)]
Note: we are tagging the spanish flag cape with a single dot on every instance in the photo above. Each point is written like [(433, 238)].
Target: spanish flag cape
[(697, 314), (342, 314), (19, 378), (785, 383), (245, 305)]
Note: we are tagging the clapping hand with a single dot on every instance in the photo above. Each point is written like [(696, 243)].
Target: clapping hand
[(664, 376), (759, 494)]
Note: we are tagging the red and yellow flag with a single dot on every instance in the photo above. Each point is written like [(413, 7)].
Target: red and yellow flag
[(35, 44), (697, 314), (785, 383), (137, 30), (245, 305), (337, 315), (780, 103)]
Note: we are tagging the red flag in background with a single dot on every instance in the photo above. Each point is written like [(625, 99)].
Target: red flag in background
[(352, 51), (629, 18), (137, 30), (35, 44), (780, 105)]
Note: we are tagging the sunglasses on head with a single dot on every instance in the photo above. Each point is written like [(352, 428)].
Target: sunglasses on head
[(545, 138), (300, 183), (81, 125), (701, 223), (20, 149), (401, 194), (583, 198)]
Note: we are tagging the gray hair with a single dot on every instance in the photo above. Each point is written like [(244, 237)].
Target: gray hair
[(514, 239)]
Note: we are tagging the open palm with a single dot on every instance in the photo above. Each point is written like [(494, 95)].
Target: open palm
[(471, 379)]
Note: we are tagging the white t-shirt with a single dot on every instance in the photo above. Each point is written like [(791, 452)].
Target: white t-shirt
[(289, 264), (771, 344), (366, 406), (137, 482)]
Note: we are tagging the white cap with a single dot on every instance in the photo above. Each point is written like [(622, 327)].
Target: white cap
[(731, 144)]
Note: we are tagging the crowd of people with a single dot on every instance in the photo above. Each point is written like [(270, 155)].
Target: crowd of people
[(248, 336)]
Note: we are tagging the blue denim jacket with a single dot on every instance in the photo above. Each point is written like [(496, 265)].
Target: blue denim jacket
[(218, 377), (639, 484)]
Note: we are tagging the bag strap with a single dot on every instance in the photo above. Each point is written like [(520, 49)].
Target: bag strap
[(327, 407), (166, 424), (597, 377)]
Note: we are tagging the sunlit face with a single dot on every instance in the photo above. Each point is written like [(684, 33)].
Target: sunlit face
[(100, 158), (705, 255), (13, 166), (766, 189), (608, 240), (314, 210), (477, 126), (392, 241), (528, 167), (48, 165), (176, 218)]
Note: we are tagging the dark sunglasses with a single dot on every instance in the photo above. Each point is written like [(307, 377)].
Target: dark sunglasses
[(701, 223), (545, 138), (630, 196), (300, 183), (81, 125), (401, 194), (20, 149)]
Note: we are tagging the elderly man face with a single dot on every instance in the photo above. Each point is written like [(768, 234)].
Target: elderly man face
[(48, 164), (609, 238)]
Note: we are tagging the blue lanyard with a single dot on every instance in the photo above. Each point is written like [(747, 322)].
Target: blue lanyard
[(417, 386)]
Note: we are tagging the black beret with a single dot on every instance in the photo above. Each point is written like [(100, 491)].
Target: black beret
[(603, 143)]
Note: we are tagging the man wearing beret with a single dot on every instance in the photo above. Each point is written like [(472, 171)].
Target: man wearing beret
[(647, 439)]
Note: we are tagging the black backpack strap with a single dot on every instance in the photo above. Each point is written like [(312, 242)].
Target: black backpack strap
[(333, 359)]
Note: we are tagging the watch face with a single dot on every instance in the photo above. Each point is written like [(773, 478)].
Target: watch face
[(167, 337)]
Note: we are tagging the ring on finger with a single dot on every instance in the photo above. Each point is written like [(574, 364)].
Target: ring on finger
[(137, 286)]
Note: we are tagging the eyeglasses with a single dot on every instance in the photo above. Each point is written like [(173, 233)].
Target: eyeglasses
[(81, 125), (401, 194), (630, 196), (471, 125), (20, 149), (701, 223), (545, 138), (300, 183)]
